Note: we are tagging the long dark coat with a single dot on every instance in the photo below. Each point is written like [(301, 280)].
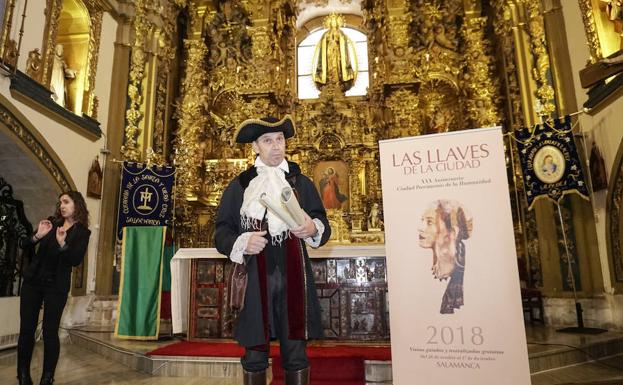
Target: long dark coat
[(251, 329)]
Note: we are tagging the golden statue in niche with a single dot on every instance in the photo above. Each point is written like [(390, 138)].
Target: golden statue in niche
[(335, 61), (61, 74)]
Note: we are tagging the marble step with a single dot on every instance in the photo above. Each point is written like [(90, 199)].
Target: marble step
[(543, 357)]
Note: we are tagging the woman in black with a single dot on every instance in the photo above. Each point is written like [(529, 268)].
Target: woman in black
[(61, 243)]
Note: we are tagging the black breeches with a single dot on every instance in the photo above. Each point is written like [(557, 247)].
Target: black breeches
[(293, 353), (31, 300)]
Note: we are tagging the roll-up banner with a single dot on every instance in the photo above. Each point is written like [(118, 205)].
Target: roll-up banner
[(454, 294)]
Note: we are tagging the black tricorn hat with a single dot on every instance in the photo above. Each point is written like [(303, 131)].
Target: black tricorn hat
[(251, 129)]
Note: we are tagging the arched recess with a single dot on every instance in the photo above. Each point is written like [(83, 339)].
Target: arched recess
[(16, 126), (306, 39), (614, 220), (77, 25), (34, 170)]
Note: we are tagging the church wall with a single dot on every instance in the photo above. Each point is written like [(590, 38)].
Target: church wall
[(604, 125), (9, 321), (102, 90), (75, 151), (34, 25)]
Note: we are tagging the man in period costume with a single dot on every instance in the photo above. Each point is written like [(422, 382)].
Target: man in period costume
[(281, 300)]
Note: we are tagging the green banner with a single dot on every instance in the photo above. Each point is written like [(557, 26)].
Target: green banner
[(169, 251), (138, 315)]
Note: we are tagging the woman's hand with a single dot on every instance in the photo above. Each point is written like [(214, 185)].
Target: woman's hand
[(44, 227), (61, 234)]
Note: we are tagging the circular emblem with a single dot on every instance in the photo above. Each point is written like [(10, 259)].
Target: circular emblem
[(549, 164), (145, 199)]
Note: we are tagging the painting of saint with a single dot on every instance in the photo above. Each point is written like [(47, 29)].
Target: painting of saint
[(549, 164), (332, 179), (549, 167)]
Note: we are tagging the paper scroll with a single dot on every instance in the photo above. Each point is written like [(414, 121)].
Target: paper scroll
[(288, 209), (277, 209), (288, 199)]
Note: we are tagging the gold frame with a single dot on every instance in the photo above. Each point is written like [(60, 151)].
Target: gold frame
[(6, 26), (614, 220), (50, 35), (595, 26)]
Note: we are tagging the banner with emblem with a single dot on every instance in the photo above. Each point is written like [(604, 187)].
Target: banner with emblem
[(145, 197), (550, 163)]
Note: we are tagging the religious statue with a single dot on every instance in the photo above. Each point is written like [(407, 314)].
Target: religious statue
[(441, 120), (33, 64), (614, 8), (374, 218), (60, 74), (334, 57)]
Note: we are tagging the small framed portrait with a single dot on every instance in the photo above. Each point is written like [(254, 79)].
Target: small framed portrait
[(94, 181)]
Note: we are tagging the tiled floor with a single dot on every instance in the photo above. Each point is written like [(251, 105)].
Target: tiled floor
[(78, 366)]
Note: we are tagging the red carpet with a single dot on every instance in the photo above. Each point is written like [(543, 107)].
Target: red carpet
[(330, 365), (328, 371)]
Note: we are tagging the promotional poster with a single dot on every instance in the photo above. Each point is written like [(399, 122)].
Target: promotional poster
[(454, 295)]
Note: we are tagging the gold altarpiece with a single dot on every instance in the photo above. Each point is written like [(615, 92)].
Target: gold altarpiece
[(434, 66), (241, 63)]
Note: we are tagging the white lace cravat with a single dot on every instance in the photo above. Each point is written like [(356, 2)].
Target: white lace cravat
[(271, 181)]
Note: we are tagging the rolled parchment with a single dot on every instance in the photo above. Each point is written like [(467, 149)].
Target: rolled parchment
[(292, 205), (277, 209)]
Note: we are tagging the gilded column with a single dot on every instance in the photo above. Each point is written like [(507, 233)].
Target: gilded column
[(53, 9), (503, 26), (479, 84), (89, 104), (520, 87), (545, 91), (191, 121), (134, 115)]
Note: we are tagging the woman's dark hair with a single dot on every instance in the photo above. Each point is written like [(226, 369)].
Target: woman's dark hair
[(81, 213)]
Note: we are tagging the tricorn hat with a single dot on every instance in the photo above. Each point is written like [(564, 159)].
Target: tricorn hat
[(251, 129)]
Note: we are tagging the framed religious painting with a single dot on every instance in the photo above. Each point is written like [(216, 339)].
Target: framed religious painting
[(331, 180), (94, 182)]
